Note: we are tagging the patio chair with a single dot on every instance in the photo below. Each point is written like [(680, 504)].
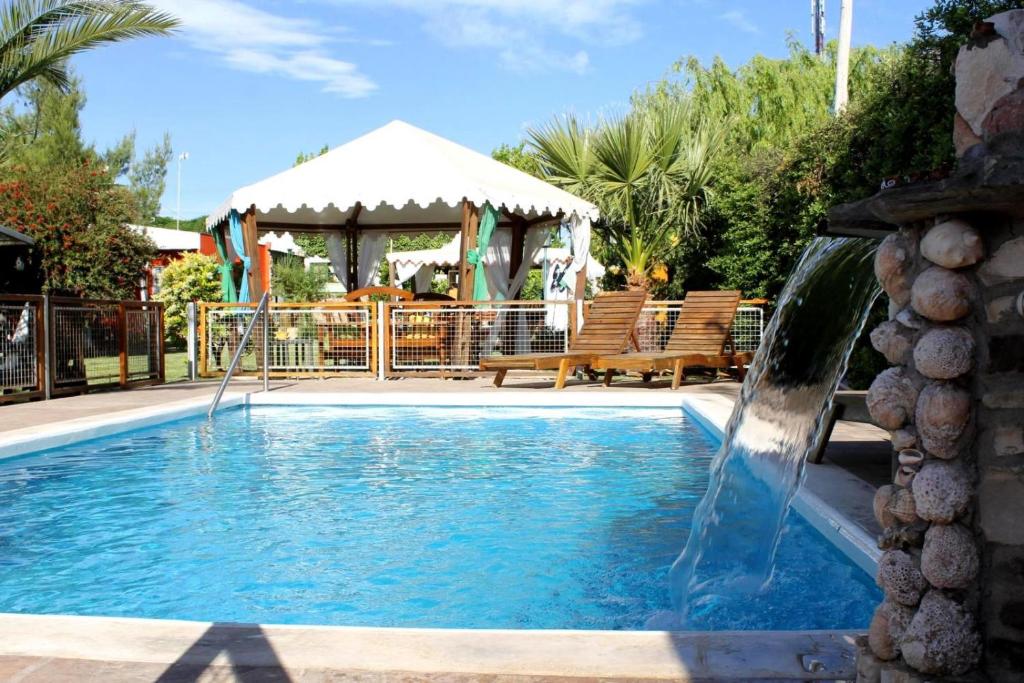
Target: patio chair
[(607, 330), (698, 339)]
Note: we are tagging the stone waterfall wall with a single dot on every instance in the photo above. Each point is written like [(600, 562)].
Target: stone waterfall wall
[(953, 566)]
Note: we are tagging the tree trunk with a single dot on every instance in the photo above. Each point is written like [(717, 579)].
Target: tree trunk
[(636, 279)]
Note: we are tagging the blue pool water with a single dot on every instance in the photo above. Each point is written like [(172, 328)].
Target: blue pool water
[(491, 518)]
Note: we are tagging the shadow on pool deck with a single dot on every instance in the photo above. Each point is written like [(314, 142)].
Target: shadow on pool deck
[(251, 657)]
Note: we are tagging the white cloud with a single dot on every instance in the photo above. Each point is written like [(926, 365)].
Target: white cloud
[(534, 58), (257, 41), (523, 30), (738, 19)]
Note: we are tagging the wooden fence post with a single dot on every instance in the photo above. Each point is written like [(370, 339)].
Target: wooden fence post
[(160, 343), (122, 342)]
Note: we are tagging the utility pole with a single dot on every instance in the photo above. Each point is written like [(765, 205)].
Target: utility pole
[(177, 220), (843, 56), (818, 26)]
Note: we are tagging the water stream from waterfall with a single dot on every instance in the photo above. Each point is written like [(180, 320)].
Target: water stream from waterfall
[(778, 419)]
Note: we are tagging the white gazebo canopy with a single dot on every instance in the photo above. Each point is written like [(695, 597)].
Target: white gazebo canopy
[(399, 175), (400, 178)]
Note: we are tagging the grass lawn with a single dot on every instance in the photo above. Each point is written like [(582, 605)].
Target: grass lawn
[(176, 366), (105, 368)]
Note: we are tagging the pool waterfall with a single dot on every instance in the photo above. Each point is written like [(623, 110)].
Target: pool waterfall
[(780, 414)]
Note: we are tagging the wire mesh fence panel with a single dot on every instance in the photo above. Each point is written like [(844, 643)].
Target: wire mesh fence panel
[(323, 339), (454, 337), (143, 342), (86, 344), (655, 324), (748, 328), (223, 332), (327, 339), (20, 329), (658, 319)]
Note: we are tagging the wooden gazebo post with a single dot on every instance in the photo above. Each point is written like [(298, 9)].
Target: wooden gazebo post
[(352, 244), (252, 247), (468, 231)]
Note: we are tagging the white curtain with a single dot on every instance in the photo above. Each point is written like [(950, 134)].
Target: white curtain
[(424, 278), (497, 261), (372, 245), (337, 252), (501, 286), (558, 286), (496, 264), (579, 229)]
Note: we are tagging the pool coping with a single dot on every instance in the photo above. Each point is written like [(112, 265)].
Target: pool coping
[(652, 655)]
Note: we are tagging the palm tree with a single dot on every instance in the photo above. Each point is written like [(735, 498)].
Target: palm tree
[(650, 173), (37, 37)]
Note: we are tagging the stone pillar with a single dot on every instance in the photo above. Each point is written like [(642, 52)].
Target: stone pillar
[(953, 566)]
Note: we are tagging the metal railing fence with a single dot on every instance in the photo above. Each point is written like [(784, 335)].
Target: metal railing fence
[(22, 348), (424, 338), (322, 340), (658, 319), (62, 345), (452, 337)]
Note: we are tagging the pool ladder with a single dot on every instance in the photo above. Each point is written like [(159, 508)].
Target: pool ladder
[(262, 314)]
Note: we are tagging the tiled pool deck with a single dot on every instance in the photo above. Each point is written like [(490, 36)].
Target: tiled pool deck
[(78, 648)]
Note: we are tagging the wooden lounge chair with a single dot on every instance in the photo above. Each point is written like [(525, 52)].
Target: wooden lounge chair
[(699, 338), (607, 330)]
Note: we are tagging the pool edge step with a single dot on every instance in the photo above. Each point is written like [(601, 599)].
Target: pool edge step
[(114, 644)]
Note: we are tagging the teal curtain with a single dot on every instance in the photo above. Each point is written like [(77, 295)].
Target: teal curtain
[(238, 244), (227, 280), (488, 222)]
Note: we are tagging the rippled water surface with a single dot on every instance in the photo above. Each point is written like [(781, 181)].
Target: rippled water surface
[(491, 518)]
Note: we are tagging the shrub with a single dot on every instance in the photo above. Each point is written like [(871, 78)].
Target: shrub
[(291, 281), (193, 278)]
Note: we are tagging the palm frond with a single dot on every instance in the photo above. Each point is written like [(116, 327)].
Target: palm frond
[(564, 150), (37, 37)]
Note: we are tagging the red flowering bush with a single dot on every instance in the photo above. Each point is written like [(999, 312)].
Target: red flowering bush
[(78, 218)]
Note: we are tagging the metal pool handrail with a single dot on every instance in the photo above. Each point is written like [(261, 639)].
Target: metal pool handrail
[(261, 309)]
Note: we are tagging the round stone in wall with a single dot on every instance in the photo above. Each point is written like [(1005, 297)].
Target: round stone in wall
[(941, 638), (892, 398), (941, 294), (942, 491), (944, 353), (943, 411), (950, 556), (953, 244), (900, 578), (892, 266)]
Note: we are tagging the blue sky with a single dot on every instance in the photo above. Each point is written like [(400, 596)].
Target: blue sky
[(248, 84)]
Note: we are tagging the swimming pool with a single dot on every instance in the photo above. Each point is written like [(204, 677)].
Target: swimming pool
[(441, 517)]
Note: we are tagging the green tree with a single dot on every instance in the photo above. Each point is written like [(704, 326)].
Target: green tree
[(518, 157), (188, 225), (147, 179), (292, 281), (45, 131), (192, 278), (38, 37)]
